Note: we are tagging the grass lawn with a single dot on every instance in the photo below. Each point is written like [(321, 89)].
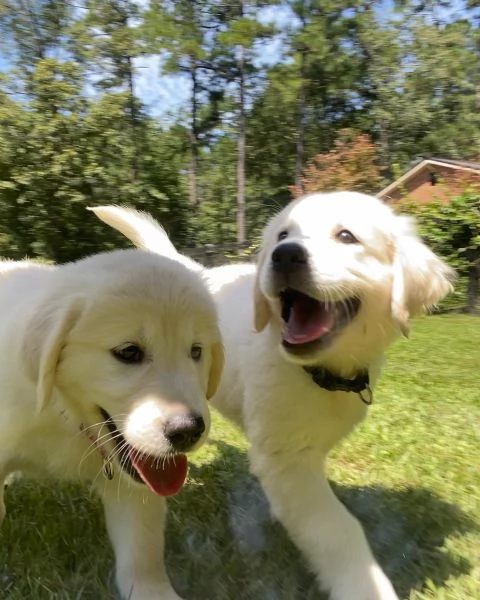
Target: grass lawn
[(410, 473)]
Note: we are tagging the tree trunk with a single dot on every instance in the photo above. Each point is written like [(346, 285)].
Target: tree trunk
[(301, 106), (194, 138), (241, 145), (133, 122)]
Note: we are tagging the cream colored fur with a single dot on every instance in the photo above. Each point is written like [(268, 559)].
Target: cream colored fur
[(59, 325), (290, 422)]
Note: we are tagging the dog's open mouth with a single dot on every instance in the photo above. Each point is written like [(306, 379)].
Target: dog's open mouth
[(309, 321), (165, 476)]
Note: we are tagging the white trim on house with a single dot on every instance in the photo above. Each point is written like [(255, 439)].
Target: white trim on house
[(409, 174)]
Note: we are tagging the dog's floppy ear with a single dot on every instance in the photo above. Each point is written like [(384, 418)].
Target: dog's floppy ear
[(261, 306), (45, 339), (420, 278), (216, 369)]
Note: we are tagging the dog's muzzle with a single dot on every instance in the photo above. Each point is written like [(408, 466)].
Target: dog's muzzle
[(311, 319), (289, 258), (164, 475)]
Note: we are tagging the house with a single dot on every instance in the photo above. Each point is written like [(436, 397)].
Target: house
[(431, 179)]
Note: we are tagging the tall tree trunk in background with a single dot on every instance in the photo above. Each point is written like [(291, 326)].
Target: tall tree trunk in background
[(194, 138), (384, 146), (241, 147), (301, 108), (135, 168), (300, 126), (476, 4)]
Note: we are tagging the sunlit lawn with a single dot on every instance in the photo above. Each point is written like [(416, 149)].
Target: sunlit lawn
[(411, 473)]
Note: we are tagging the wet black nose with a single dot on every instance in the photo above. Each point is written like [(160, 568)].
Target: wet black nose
[(289, 257), (183, 431)]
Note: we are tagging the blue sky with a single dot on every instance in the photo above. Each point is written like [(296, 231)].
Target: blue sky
[(164, 96), (168, 94)]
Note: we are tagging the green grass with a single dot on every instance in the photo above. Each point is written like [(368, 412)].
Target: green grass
[(410, 473)]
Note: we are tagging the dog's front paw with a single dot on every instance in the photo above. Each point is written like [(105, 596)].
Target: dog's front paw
[(153, 595), (140, 592), (146, 590)]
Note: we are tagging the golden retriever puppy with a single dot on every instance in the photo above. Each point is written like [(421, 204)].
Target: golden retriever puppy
[(339, 276), (111, 360)]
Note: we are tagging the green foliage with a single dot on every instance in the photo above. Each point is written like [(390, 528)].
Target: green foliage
[(74, 132), (63, 153), (452, 229)]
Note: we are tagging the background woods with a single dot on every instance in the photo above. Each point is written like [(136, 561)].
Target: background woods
[(243, 105)]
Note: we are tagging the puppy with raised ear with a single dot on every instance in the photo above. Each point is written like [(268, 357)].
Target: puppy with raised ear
[(111, 360), (339, 276)]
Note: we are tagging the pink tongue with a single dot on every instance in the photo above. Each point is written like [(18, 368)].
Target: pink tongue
[(308, 321), (164, 476)]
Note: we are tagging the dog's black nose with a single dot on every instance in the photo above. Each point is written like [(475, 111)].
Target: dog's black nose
[(183, 431), (289, 257)]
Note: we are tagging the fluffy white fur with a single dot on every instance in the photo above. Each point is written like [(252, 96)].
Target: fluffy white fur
[(60, 325), (292, 423)]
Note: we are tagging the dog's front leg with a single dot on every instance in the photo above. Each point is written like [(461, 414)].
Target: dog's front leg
[(136, 523), (330, 537)]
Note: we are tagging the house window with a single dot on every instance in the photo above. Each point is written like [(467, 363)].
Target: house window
[(433, 178)]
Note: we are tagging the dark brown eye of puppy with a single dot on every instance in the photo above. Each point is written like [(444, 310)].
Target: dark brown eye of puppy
[(346, 237), (128, 353), (282, 235), (196, 352)]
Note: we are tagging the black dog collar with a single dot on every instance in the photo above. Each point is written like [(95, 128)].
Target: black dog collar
[(333, 383)]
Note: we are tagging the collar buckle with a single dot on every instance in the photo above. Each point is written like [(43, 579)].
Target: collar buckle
[(366, 398), (327, 380)]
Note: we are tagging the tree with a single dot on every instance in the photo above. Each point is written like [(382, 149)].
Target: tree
[(107, 40), (321, 68), (351, 165), (62, 150), (235, 61), (419, 88), (184, 31), (35, 30), (73, 130), (44, 183), (452, 229)]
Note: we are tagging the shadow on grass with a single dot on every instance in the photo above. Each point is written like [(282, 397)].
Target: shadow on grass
[(407, 529), (53, 544), (222, 543)]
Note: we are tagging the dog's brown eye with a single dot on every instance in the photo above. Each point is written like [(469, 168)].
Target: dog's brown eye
[(282, 235), (346, 237), (128, 353), (196, 352)]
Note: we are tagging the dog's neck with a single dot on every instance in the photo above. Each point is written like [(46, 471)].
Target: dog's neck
[(360, 384)]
